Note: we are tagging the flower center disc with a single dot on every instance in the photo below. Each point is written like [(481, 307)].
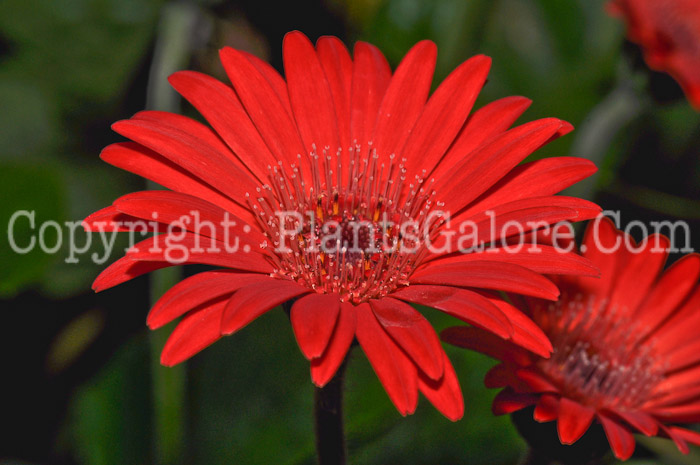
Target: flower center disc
[(600, 359), (357, 230)]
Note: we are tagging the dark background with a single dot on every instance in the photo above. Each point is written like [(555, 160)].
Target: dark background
[(80, 372)]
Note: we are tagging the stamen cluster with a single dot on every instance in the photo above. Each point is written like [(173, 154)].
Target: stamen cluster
[(600, 359), (358, 229)]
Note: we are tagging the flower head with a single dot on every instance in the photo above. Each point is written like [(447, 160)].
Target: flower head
[(668, 31), (336, 182), (625, 347)]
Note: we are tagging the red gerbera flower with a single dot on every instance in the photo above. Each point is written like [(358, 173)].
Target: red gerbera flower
[(626, 351), (343, 142), (668, 32)]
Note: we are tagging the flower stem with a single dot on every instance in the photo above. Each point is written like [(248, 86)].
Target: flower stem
[(328, 412)]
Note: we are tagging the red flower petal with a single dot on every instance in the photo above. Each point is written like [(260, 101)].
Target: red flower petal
[(263, 106), (686, 434), (574, 420), (405, 98), (146, 163), (639, 273), (370, 78), (445, 394), (600, 239), (534, 381), (219, 104), (682, 413), (684, 355), (445, 114), (677, 438), (670, 291), (493, 160), (621, 440), (393, 368), (189, 250), (486, 343), (680, 379), (482, 125), (508, 401), (337, 65), (672, 397), (412, 332), (324, 367), (186, 146), (309, 93), (273, 78), (466, 305), (515, 218), (191, 145), (197, 290), (488, 275), (530, 213), (681, 327), (547, 408), (525, 332), (194, 333), (123, 270), (109, 219), (251, 301), (539, 258), (313, 319), (535, 179), (500, 376), (200, 217), (640, 420)]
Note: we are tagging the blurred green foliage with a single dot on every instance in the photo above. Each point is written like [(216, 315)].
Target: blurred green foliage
[(18, 184), (66, 74), (68, 63)]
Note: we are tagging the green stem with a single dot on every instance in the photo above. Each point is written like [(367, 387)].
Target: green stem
[(328, 414)]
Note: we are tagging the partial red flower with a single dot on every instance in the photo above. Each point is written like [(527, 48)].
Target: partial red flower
[(668, 31), (626, 349), (344, 140)]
